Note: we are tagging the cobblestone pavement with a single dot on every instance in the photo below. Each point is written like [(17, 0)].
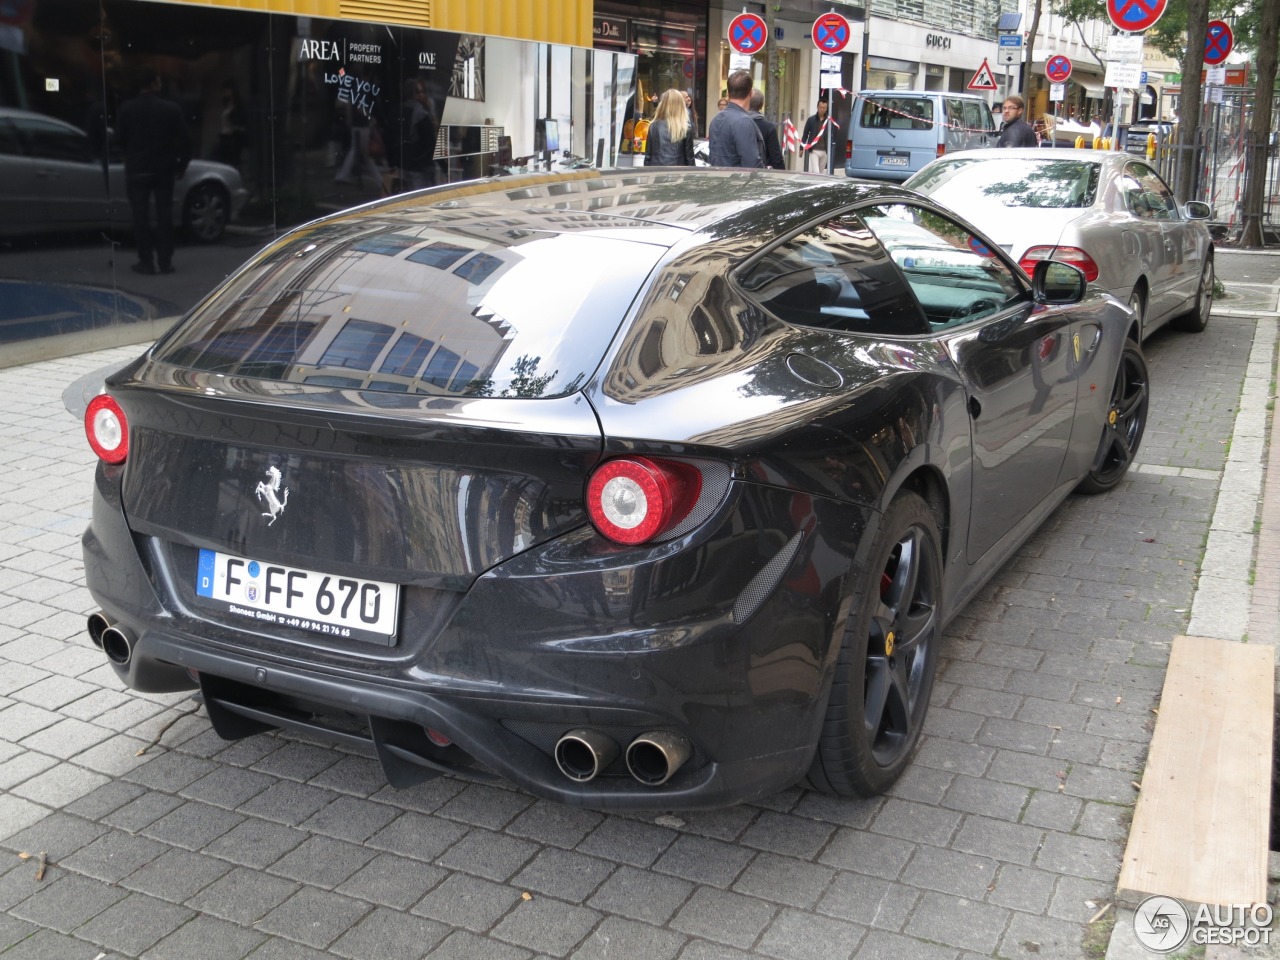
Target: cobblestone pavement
[(1002, 840)]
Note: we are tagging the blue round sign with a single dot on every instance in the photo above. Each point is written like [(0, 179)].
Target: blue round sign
[(1218, 41), (747, 33), (1135, 15), (1058, 68), (831, 33)]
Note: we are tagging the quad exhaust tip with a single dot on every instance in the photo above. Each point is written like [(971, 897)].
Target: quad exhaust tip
[(653, 758), (98, 624), (117, 644), (582, 754)]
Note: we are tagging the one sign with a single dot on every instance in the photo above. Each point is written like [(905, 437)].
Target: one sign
[(830, 63), (1216, 76), (1127, 75), (983, 79), (1058, 69), (1135, 15), (739, 61), (1058, 91), (1009, 55), (831, 33), (1125, 48), (830, 81), (687, 69), (1144, 77), (747, 33), (1218, 41), (1011, 40)]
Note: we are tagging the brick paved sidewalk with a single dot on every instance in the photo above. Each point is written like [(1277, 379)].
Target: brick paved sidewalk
[(1002, 840)]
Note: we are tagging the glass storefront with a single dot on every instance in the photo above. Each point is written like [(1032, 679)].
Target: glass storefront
[(287, 118)]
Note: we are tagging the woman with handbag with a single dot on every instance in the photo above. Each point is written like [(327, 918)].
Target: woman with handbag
[(670, 135)]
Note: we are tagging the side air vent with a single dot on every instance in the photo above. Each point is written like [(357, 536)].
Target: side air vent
[(764, 582)]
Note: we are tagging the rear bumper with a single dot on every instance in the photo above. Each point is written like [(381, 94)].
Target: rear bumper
[(563, 637)]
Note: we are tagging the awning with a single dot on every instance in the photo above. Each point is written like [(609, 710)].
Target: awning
[(1095, 90)]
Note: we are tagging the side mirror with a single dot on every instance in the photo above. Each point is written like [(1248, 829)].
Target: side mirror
[(1196, 210), (1058, 284)]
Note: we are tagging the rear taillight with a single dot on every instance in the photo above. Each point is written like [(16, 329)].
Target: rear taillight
[(635, 499), (942, 148), (107, 429), (848, 150), (1072, 255)]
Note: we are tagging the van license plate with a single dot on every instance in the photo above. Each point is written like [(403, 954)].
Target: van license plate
[(272, 594), (892, 161)]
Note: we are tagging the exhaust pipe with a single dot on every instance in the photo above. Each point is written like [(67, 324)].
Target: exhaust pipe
[(653, 758), (98, 624), (582, 754), (117, 644)]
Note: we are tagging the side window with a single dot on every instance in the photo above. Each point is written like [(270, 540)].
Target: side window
[(954, 276), (834, 276), (1159, 197), (50, 141), (977, 118), (1135, 198)]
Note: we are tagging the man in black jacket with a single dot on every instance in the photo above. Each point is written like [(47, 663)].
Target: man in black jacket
[(157, 149), (733, 139), (768, 132), (1015, 132)]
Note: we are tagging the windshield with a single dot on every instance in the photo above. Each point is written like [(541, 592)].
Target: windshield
[(485, 309), (987, 185)]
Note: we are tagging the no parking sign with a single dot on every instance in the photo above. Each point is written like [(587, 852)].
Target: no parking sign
[(831, 33)]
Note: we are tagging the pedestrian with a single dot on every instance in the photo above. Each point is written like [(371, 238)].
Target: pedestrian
[(232, 132), (1014, 131), (722, 103), (768, 133), (692, 111), (670, 134), (734, 140), (418, 144), (813, 140), (157, 149)]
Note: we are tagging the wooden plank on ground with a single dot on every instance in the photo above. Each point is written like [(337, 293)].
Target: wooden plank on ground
[(1200, 829)]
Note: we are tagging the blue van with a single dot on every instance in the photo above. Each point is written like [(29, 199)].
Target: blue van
[(896, 132)]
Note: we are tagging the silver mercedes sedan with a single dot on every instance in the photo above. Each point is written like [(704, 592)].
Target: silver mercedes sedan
[(1109, 213)]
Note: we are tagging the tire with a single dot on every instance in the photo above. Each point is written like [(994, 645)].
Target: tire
[(884, 673), (205, 213), (1125, 423), (1197, 318), (1138, 304)]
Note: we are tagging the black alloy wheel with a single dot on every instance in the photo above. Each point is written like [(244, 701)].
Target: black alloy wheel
[(206, 213), (1125, 422), (884, 675)]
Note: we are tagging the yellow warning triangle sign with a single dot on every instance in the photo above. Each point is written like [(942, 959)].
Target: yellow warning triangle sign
[(983, 79)]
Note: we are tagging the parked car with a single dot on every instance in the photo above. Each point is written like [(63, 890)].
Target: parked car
[(643, 488), (1107, 212), (1136, 136), (896, 132), (52, 178)]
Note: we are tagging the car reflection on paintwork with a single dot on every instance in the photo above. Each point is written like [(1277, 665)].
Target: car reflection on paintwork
[(641, 488), (1105, 211), (52, 180)]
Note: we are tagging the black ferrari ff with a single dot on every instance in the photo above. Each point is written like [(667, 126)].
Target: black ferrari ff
[(639, 488)]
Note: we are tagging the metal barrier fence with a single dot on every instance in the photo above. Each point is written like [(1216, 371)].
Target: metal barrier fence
[(1222, 159)]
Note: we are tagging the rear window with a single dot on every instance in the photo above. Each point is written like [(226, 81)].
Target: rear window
[(989, 185), (471, 310), (897, 113)]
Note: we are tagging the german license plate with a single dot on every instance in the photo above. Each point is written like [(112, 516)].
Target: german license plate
[(275, 595), (893, 161)]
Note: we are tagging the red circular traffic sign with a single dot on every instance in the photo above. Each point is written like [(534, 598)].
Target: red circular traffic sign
[(831, 33), (1058, 68), (1218, 41), (1135, 15), (747, 33)]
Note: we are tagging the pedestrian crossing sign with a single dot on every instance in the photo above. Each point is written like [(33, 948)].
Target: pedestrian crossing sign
[(983, 79)]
